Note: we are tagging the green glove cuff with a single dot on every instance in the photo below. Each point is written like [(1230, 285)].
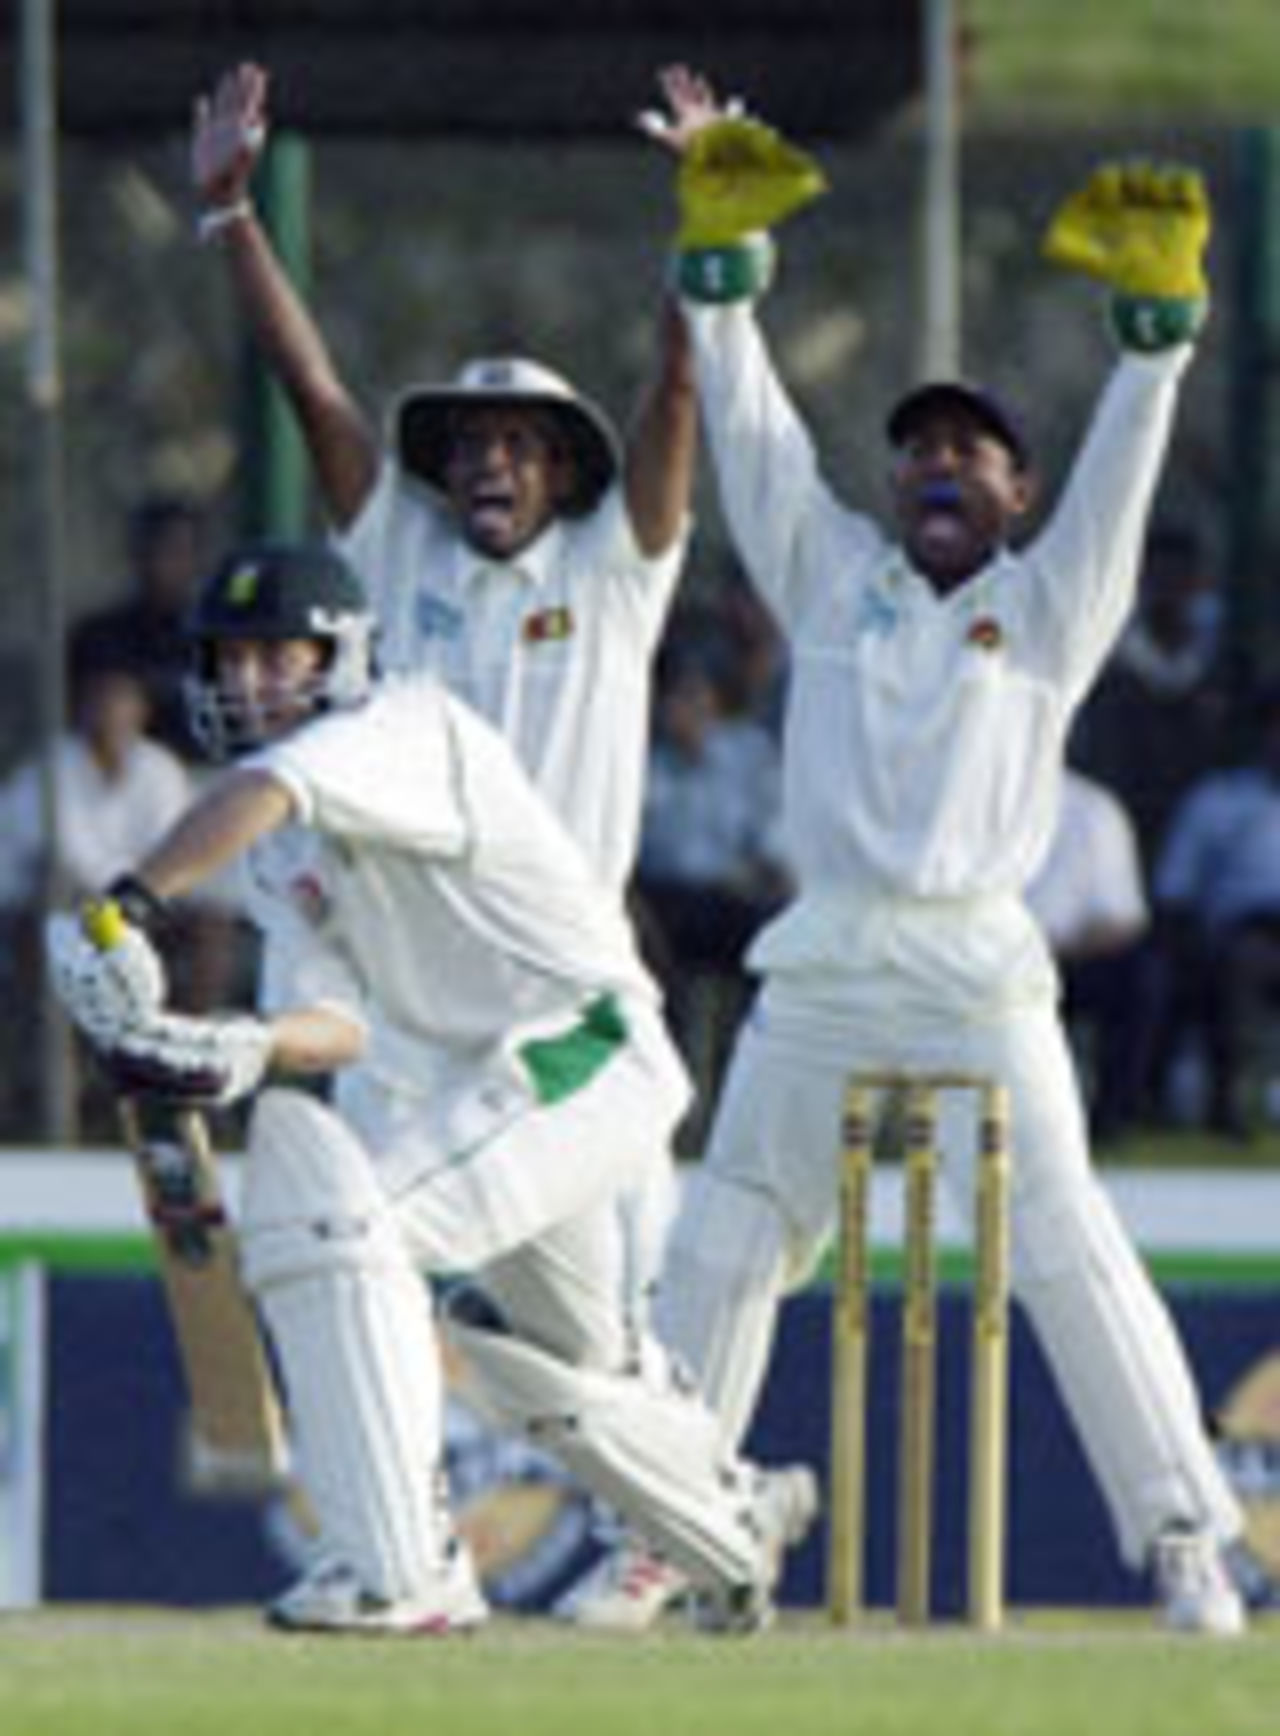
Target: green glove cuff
[(1148, 323), (737, 271)]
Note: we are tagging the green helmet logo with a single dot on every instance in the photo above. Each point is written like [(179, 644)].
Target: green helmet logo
[(242, 585), (270, 592)]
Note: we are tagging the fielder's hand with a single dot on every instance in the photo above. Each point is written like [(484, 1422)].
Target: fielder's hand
[(737, 179), (229, 130), (1140, 227)]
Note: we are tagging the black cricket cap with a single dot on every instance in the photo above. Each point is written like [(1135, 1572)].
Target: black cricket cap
[(975, 401)]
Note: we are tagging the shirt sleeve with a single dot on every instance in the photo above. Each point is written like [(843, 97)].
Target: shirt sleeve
[(383, 773), (606, 552), (774, 498), (1081, 572)]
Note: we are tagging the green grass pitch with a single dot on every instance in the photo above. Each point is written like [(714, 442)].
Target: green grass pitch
[(72, 1671)]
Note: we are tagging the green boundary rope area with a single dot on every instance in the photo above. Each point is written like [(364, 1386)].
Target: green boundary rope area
[(132, 1255)]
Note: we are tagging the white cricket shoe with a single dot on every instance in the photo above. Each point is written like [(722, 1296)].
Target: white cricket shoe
[(330, 1599), (1195, 1590), (784, 1504), (626, 1591)]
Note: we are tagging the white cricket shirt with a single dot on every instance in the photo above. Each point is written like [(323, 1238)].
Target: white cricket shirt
[(425, 889), (554, 648), (924, 736)]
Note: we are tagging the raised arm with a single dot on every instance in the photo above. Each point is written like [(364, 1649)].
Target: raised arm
[(1141, 229), (662, 442), (735, 178), (228, 133)]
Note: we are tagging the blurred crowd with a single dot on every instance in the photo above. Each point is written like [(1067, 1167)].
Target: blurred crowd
[(1160, 895)]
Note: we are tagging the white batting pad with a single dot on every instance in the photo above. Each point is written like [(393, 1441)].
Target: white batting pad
[(638, 1442), (350, 1320), (716, 1303)]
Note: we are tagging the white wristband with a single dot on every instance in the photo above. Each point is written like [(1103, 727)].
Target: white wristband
[(219, 217)]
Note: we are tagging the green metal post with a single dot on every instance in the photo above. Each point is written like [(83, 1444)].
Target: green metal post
[(276, 486), (1253, 427)]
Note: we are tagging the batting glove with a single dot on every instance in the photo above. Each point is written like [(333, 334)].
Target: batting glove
[(183, 1059), (105, 972), (1142, 228)]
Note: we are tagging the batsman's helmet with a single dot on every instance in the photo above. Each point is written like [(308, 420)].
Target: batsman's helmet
[(270, 592), (425, 418)]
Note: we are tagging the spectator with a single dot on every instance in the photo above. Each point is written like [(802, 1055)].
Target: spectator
[(1154, 724), (1090, 900), (1217, 895), (116, 791), (144, 632)]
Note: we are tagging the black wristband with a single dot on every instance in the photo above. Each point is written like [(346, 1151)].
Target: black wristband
[(138, 904)]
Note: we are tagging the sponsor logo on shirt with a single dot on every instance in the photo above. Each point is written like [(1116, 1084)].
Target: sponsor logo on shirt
[(437, 618), (548, 626), (986, 633)]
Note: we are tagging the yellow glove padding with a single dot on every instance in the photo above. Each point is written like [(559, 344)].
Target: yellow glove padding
[(738, 176), (1140, 227)]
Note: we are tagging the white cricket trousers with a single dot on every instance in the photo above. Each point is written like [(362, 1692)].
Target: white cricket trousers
[(757, 1215)]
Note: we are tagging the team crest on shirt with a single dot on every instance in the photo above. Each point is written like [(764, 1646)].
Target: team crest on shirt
[(985, 633), (437, 618), (548, 626)]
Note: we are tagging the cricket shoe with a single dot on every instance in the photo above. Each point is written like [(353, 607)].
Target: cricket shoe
[(784, 1504), (1194, 1588), (330, 1599), (626, 1591)]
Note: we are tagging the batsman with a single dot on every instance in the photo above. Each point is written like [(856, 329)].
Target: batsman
[(426, 915), (936, 668)]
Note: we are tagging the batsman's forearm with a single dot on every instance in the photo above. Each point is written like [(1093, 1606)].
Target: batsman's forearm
[(240, 808), (314, 1040)]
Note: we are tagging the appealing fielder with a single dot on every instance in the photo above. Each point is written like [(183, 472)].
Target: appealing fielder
[(422, 911), (508, 540), (934, 677)]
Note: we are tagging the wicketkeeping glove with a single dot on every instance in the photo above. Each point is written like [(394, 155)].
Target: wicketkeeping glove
[(737, 179), (105, 972), (1142, 228)]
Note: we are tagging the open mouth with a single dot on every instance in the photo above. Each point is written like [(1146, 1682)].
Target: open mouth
[(940, 513), (492, 511)]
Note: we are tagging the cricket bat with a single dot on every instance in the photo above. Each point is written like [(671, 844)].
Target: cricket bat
[(237, 1436)]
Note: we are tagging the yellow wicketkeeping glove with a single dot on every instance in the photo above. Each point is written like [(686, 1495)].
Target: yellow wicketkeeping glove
[(737, 178), (1142, 228)]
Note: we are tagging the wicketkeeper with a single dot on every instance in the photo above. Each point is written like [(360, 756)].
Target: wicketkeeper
[(424, 913), (935, 674)]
